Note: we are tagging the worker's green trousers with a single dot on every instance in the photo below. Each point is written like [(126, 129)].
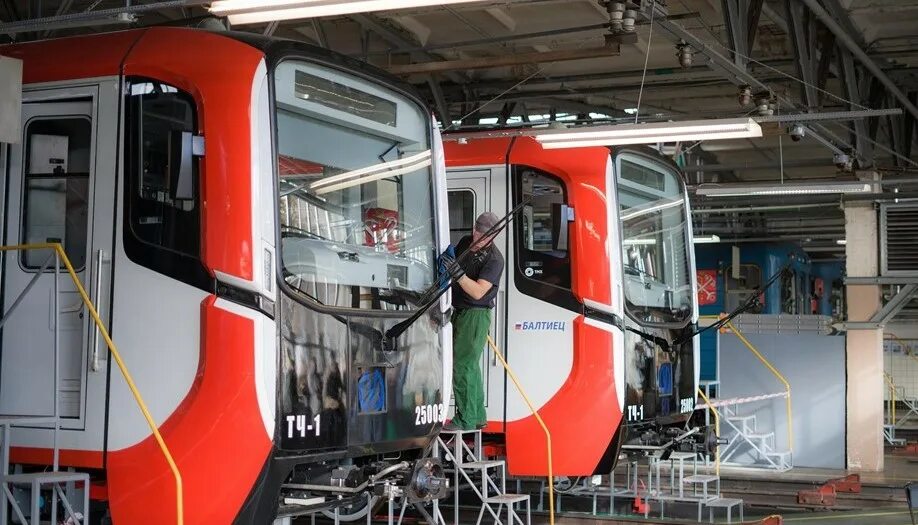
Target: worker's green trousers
[(470, 334)]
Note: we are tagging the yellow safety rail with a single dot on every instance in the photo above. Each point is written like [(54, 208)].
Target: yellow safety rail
[(179, 504), (892, 398), (716, 431), (519, 387), (790, 420)]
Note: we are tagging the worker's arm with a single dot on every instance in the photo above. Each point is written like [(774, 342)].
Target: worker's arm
[(475, 289)]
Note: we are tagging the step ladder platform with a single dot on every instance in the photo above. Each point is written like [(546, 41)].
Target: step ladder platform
[(700, 478), (723, 502), (506, 499), (460, 431), (676, 456), (481, 465), (45, 477), (741, 419)]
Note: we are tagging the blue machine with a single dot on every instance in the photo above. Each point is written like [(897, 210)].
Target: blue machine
[(804, 288)]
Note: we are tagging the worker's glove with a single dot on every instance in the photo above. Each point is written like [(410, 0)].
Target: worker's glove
[(449, 268)]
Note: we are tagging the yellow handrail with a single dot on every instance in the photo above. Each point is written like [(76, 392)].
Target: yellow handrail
[(892, 398), (519, 387), (179, 504), (790, 420), (716, 431)]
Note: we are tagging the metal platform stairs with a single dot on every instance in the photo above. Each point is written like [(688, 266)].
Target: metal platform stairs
[(61, 485), (745, 439), (487, 479)]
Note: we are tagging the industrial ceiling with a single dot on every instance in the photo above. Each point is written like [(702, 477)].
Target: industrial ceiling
[(519, 62)]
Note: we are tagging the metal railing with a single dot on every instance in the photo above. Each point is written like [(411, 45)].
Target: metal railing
[(535, 413), (790, 421), (113, 350), (891, 402)]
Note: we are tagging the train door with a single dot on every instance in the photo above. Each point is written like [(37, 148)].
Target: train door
[(61, 188), (471, 193)]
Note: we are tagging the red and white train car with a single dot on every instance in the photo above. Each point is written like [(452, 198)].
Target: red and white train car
[(599, 270), (249, 216)]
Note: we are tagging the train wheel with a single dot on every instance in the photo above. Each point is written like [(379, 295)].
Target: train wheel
[(355, 512)]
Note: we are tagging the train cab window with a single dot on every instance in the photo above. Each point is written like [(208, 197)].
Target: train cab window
[(56, 205), (162, 225), (461, 214), (658, 282), (356, 192), (543, 262)]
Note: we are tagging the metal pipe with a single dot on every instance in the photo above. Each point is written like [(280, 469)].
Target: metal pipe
[(858, 53), (504, 60), (740, 209)]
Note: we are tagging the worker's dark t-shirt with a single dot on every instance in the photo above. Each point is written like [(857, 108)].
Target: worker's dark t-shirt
[(489, 267)]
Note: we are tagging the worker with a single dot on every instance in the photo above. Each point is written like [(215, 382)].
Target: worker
[(473, 299)]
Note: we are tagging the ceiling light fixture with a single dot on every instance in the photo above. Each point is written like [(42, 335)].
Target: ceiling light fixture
[(812, 188), (705, 239), (241, 12), (841, 242), (621, 134), (364, 175)]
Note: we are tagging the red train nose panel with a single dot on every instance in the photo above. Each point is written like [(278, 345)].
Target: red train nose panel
[(216, 436), (582, 417)]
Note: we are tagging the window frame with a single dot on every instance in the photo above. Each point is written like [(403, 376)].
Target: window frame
[(650, 161), (183, 266), (344, 312), (544, 291), (24, 193)]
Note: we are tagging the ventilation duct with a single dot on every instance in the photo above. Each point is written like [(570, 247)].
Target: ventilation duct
[(899, 239)]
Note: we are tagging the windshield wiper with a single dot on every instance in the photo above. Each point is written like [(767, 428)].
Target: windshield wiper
[(440, 287)]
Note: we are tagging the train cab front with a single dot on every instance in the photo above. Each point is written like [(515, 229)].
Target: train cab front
[(358, 198), (661, 360)]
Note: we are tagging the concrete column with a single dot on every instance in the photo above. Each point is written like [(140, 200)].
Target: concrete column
[(864, 348)]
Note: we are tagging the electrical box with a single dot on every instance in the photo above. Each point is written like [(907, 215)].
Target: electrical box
[(48, 154), (10, 100)]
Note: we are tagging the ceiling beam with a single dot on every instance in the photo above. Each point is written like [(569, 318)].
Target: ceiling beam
[(852, 45), (515, 59), (393, 37)]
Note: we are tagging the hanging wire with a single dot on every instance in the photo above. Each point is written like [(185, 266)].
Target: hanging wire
[(637, 109)]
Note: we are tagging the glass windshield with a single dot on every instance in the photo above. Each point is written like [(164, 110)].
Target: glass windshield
[(356, 190), (658, 286)]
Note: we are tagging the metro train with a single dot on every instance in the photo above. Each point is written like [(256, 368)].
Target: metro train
[(803, 288), (597, 306), (250, 216)]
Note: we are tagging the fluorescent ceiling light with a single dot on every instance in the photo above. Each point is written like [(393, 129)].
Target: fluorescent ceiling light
[(811, 188), (365, 175), (650, 209), (385, 166), (706, 239), (242, 12), (639, 242), (621, 134), (841, 242)]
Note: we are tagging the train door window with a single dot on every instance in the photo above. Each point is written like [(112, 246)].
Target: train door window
[(56, 204), (163, 231), (543, 261), (461, 214), (739, 290)]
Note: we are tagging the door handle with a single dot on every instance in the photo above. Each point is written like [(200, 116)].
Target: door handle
[(96, 297)]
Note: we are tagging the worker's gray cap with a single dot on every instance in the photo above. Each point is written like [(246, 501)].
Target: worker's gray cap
[(485, 222)]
